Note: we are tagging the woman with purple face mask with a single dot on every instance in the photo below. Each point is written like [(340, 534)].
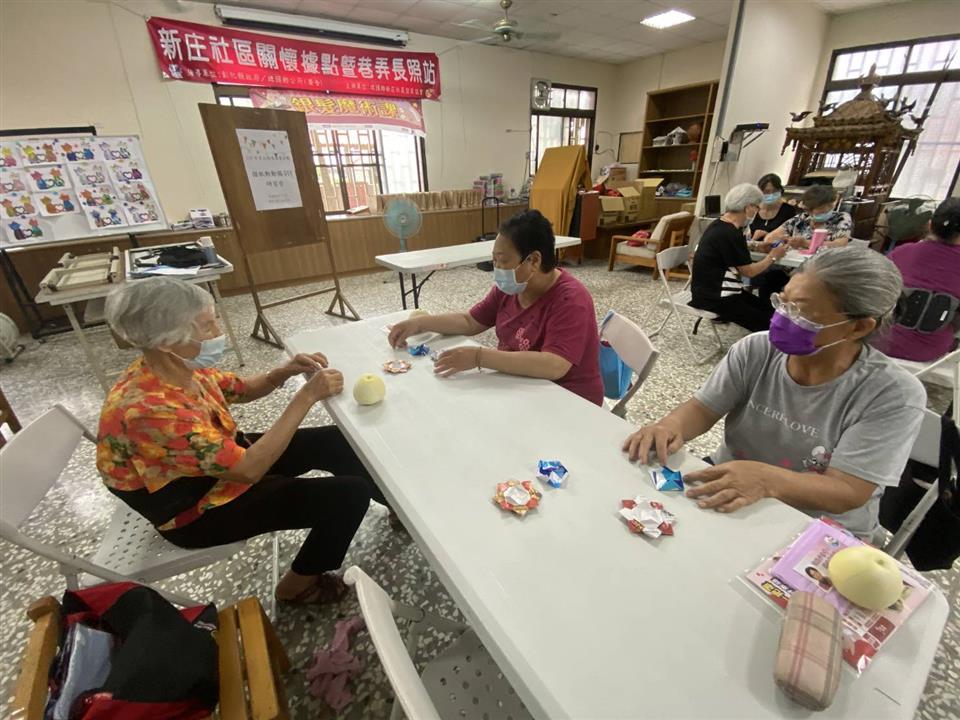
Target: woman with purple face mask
[(814, 416)]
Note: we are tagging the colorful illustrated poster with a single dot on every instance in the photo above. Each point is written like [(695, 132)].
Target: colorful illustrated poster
[(133, 192), (99, 196), (89, 173), (12, 181), (9, 154), (141, 213), (126, 171), (48, 177), (101, 218), (78, 149), (56, 202), (24, 229), (268, 161), (118, 148), (14, 205), (37, 152)]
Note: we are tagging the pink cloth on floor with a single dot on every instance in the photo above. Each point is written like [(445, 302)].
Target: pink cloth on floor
[(334, 666)]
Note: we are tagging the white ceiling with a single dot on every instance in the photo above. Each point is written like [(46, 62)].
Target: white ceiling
[(599, 30)]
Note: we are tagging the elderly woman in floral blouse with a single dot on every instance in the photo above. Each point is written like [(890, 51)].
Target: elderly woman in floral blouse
[(170, 449)]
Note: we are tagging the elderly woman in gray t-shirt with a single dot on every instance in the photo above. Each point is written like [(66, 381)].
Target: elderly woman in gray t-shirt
[(814, 416)]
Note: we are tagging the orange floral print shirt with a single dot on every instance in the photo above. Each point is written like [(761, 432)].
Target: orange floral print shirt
[(152, 433)]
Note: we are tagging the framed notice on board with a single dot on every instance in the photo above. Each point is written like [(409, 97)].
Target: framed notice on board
[(73, 187), (268, 161)]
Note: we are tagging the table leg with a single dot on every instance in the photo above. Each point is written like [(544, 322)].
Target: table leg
[(228, 326), (403, 292), (87, 349), (416, 290)]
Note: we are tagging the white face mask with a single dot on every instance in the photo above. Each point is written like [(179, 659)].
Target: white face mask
[(210, 355)]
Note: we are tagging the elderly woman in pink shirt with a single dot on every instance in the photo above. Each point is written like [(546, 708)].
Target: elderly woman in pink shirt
[(544, 317)]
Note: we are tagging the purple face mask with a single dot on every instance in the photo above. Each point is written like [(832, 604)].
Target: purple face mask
[(796, 337)]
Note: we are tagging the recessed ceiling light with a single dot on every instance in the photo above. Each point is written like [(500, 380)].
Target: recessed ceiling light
[(667, 19)]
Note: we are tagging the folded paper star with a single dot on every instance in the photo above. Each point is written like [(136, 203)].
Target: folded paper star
[(516, 496), (666, 479), (647, 517), (552, 472)]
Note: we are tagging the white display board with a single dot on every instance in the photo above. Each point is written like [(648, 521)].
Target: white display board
[(268, 160), (54, 189)]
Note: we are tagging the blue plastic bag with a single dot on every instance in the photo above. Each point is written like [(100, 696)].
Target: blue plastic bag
[(614, 372)]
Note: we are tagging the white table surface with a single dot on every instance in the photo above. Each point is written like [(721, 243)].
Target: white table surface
[(792, 259), (451, 256), (587, 619)]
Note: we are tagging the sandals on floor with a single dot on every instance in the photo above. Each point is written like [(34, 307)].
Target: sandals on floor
[(327, 589)]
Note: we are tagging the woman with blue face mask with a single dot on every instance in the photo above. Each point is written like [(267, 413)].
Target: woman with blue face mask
[(773, 213), (819, 202), (544, 317), (169, 447), (813, 416)]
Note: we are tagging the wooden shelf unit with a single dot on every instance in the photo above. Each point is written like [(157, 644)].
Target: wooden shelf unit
[(677, 107)]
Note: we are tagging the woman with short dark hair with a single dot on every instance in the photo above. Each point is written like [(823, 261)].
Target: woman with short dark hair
[(818, 202), (544, 317), (773, 212), (931, 267)]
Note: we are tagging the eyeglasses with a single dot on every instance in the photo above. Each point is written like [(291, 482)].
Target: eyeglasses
[(792, 311)]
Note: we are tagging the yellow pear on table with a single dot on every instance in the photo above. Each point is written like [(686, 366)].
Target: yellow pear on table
[(866, 576), (369, 389)]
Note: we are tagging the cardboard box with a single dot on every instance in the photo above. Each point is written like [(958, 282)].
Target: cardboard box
[(647, 187), (631, 200), (617, 172), (611, 210)]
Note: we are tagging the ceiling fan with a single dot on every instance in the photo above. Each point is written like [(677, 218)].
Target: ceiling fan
[(506, 29)]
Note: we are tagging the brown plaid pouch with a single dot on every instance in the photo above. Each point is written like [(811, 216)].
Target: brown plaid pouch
[(809, 657)]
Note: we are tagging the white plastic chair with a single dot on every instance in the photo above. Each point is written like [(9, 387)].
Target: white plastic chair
[(926, 450), (635, 349), (463, 681), (131, 550), (944, 372), (676, 303)]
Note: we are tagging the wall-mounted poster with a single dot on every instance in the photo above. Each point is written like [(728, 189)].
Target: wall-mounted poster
[(56, 202), (270, 171), (37, 152), (89, 173), (78, 149), (9, 154), (141, 213), (55, 189), (11, 180), (14, 205), (48, 177)]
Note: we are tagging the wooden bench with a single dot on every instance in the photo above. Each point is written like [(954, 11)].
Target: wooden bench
[(251, 662)]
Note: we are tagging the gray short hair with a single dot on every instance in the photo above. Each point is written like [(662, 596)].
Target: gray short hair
[(863, 282), (739, 196), (156, 311)]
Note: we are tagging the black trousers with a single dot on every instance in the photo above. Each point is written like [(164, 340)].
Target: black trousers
[(746, 310), (769, 282), (331, 507)]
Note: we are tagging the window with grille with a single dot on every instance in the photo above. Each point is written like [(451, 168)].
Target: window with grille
[(354, 164), (911, 70), (569, 121)]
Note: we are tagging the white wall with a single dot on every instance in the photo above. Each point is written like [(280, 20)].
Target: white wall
[(98, 68), (766, 83)]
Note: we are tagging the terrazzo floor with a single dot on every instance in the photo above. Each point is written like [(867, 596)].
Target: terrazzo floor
[(78, 508)]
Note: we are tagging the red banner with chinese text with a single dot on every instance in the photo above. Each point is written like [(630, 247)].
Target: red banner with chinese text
[(207, 54), (331, 110)]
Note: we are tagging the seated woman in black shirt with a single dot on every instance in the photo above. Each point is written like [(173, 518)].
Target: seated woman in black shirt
[(773, 212), (722, 258)]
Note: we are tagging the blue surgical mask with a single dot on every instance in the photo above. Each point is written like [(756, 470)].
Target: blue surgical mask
[(771, 198), (210, 355), (822, 217), (506, 280)]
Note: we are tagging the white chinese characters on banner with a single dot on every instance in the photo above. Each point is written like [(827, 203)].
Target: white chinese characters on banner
[(268, 161)]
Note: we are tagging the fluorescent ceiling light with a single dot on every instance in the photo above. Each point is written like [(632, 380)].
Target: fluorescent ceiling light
[(667, 19)]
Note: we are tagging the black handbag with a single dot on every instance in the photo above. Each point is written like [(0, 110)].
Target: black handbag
[(936, 543), (179, 256)]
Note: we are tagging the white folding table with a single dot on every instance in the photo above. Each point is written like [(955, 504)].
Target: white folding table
[(208, 276), (586, 619), (443, 258), (793, 258)]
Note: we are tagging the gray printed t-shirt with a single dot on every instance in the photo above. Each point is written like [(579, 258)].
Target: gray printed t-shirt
[(862, 423)]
